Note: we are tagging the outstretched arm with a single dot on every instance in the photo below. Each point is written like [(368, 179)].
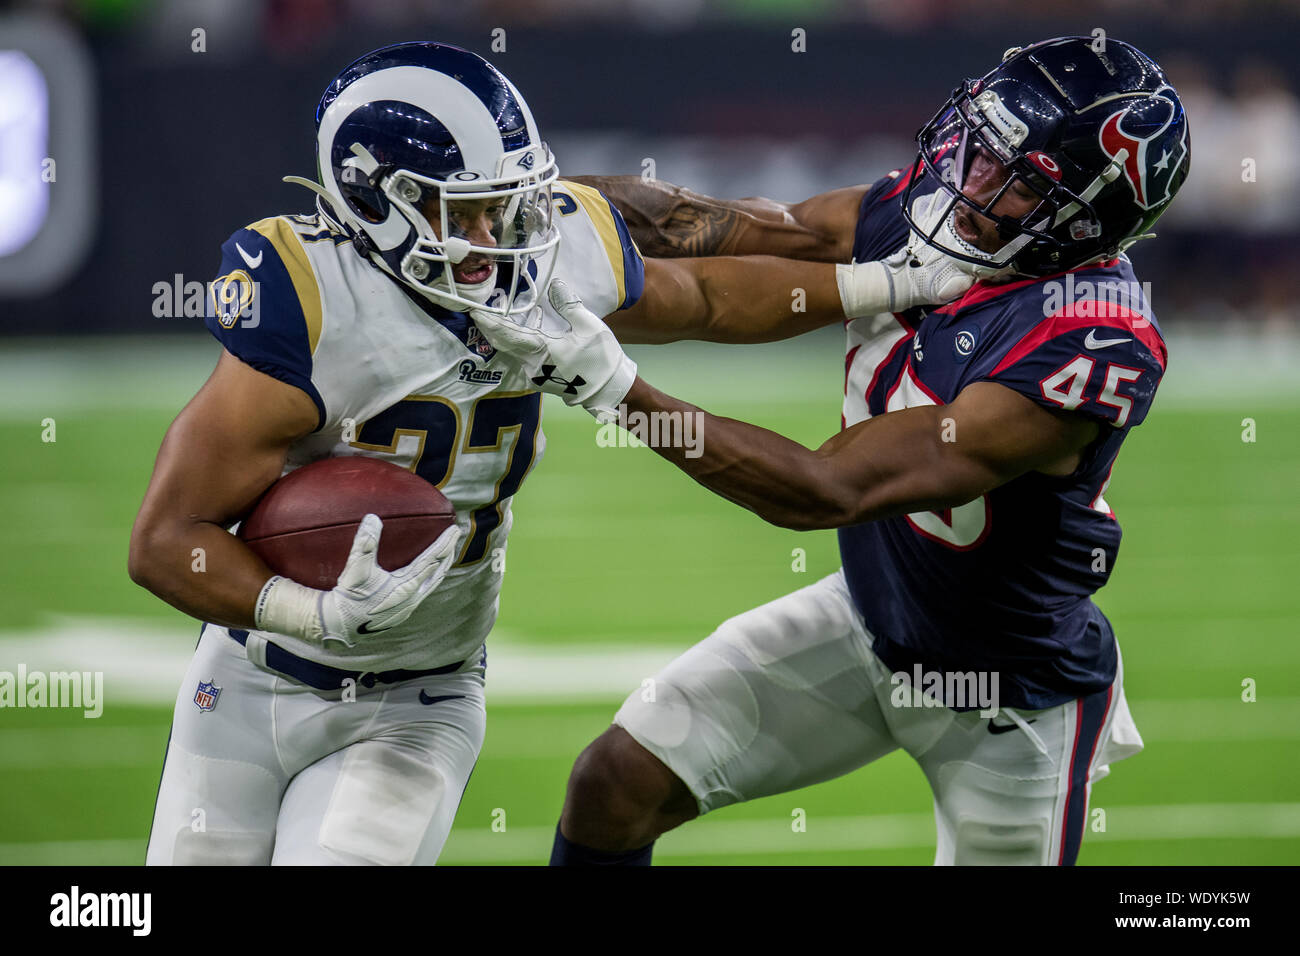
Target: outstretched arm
[(889, 465), (745, 299), (730, 299), (915, 459), (670, 221), (742, 276)]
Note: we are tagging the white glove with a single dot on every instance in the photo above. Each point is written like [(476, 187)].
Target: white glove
[(584, 364), (917, 274), (367, 599)]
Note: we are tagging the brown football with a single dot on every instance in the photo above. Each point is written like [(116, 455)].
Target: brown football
[(304, 525)]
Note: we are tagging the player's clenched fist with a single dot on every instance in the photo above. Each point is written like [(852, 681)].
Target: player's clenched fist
[(583, 363), (367, 599)]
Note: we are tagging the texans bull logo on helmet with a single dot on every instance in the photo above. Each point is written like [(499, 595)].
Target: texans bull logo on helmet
[(1101, 138), (1154, 150)]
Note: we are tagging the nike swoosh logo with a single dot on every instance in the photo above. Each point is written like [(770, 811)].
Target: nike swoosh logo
[(250, 261), (426, 699), (1092, 342), (997, 729), (365, 628)]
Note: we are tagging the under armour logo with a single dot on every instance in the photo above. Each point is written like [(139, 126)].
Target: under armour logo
[(570, 385)]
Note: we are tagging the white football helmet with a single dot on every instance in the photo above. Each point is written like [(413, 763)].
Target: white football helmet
[(420, 130)]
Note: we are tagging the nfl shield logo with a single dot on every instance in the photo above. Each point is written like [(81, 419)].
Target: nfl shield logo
[(206, 696), (477, 343)]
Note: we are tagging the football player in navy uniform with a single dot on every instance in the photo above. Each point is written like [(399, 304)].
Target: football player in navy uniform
[(341, 726), (967, 480)]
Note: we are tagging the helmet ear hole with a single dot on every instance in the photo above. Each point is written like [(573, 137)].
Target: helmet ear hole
[(365, 210), (363, 199)]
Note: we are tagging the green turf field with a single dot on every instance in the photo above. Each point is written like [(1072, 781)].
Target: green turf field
[(617, 557)]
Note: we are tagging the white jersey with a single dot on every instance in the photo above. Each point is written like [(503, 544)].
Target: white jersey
[(396, 378)]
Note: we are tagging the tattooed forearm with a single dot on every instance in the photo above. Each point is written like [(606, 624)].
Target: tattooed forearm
[(693, 225), (668, 221)]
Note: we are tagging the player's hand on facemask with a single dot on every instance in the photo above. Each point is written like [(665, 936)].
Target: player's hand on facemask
[(917, 274), (366, 600), (583, 363)]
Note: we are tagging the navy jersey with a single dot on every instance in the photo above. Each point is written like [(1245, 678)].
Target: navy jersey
[(1003, 583)]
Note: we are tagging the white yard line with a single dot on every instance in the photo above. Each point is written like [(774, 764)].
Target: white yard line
[(143, 663)]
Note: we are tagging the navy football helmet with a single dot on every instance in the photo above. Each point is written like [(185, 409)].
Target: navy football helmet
[(1091, 125), (422, 121)]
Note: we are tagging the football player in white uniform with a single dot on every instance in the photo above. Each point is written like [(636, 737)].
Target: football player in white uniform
[(341, 726)]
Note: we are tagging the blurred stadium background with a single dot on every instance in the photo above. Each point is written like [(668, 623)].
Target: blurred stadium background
[(617, 561)]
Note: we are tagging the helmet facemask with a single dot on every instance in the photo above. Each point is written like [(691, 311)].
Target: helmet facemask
[(383, 207), (519, 212), (973, 121), (420, 130)]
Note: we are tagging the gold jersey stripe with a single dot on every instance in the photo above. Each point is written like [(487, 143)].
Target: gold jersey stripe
[(598, 211), (281, 235)]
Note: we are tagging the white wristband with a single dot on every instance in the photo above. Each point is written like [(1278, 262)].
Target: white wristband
[(287, 607), (866, 288), (607, 398)]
